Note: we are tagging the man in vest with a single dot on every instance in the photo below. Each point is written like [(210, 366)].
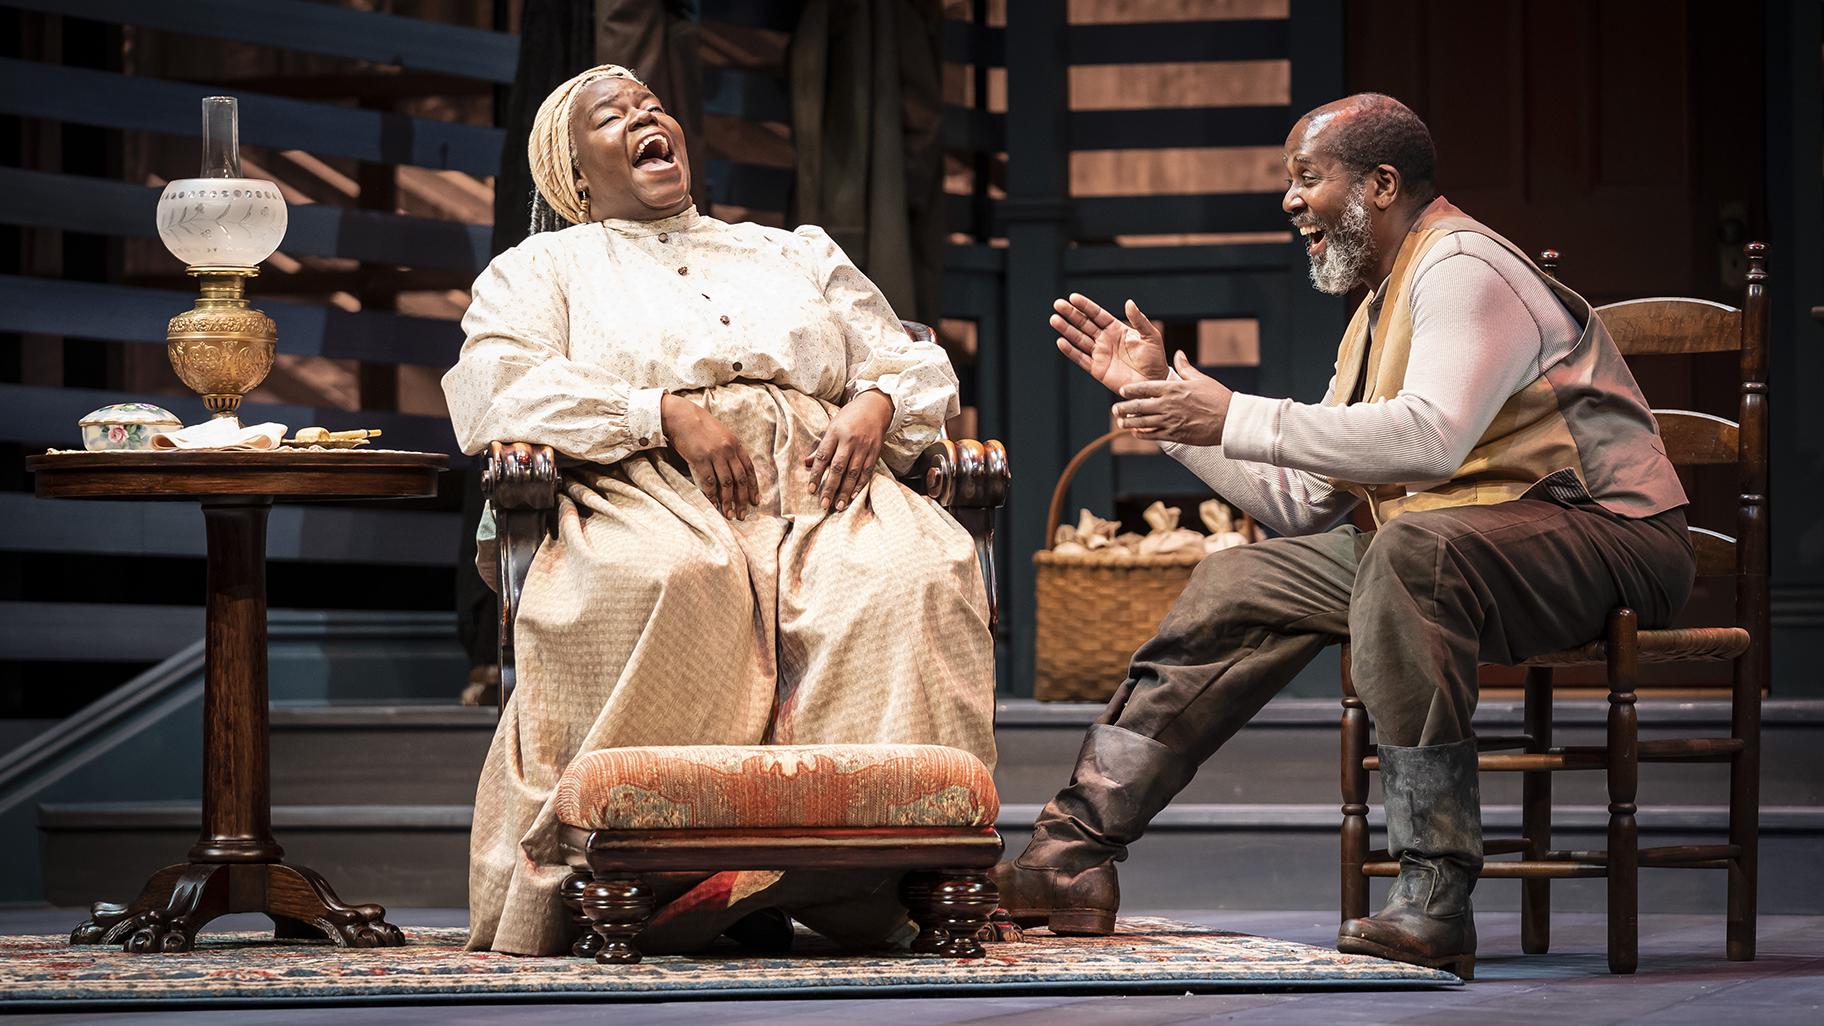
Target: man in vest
[(1520, 489)]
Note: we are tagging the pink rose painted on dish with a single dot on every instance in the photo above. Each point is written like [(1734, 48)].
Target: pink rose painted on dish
[(116, 433)]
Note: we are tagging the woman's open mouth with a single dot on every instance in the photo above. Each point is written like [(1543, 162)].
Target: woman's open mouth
[(653, 153), (1314, 239)]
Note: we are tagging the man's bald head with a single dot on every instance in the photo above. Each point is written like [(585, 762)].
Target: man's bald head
[(1367, 130)]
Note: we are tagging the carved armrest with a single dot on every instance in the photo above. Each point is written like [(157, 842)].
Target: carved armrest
[(519, 480), (520, 475), (970, 479)]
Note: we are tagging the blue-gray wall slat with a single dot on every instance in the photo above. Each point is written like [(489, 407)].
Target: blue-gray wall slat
[(100, 206), (744, 94), (123, 313), (107, 100), (968, 43), (1173, 296), (311, 28), (1178, 42), (384, 533), (96, 632), (49, 416), (1104, 217), (1154, 474), (1176, 127), (969, 130), (1249, 256), (753, 186), (974, 257)]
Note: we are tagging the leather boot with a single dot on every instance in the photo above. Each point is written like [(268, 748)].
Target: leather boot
[(1434, 828), (1066, 877)]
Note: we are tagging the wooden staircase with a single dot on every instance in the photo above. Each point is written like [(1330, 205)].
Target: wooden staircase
[(379, 797)]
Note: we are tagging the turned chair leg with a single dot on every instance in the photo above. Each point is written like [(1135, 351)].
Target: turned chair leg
[(618, 905), (1624, 777), (588, 942), (1536, 815), (1354, 749), (951, 908)]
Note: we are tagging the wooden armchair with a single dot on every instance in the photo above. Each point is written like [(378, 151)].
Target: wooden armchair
[(764, 807), (1643, 327)]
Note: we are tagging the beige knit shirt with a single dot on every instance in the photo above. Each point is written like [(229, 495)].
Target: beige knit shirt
[(1484, 326), (573, 336)]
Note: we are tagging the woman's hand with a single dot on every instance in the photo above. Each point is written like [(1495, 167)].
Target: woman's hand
[(722, 468), (846, 456), (1116, 353)]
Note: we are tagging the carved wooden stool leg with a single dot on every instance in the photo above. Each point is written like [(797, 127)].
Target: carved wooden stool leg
[(618, 905), (951, 910), (588, 942), (1001, 929)]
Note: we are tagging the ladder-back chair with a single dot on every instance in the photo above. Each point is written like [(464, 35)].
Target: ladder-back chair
[(1643, 327)]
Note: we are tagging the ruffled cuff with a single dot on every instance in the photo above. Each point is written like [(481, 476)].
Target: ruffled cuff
[(885, 386), (645, 425)]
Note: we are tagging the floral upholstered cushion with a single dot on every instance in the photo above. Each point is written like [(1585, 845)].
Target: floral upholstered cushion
[(706, 787)]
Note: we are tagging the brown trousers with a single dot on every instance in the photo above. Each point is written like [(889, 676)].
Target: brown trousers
[(1423, 601)]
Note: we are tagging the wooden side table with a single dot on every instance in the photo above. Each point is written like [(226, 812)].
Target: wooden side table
[(236, 865)]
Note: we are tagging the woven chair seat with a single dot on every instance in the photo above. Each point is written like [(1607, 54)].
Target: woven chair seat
[(723, 787), (1691, 644)]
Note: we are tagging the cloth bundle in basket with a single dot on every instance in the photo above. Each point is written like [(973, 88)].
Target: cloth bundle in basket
[(1100, 596)]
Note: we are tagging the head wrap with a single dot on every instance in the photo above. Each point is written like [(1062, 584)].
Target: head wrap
[(550, 152)]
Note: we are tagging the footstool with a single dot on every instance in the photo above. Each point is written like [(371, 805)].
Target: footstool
[(925, 809)]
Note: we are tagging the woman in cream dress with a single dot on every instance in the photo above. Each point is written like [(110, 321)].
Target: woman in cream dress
[(734, 563)]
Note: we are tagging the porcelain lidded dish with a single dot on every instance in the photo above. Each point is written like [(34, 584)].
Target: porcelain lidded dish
[(126, 426)]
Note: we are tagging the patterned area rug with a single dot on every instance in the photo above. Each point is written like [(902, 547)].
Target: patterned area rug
[(1145, 955)]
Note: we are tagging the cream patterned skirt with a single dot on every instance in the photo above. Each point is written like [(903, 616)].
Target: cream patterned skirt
[(652, 620)]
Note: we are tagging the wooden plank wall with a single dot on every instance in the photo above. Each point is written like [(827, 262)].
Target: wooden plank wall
[(1143, 140), (1121, 148)]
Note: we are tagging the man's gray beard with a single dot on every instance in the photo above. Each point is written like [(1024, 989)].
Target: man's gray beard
[(1348, 249)]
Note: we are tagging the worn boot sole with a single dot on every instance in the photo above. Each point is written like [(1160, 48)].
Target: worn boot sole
[(1072, 922), (1462, 966)]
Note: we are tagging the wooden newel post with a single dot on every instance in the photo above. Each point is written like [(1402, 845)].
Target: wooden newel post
[(237, 772)]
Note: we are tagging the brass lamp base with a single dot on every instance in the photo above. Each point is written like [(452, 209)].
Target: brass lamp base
[(222, 347)]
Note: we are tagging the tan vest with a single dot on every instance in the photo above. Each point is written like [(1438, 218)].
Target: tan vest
[(1583, 422)]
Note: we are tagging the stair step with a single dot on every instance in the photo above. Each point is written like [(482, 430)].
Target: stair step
[(1195, 856), (393, 754), (432, 752)]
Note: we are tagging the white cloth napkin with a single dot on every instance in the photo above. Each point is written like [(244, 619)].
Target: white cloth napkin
[(225, 433)]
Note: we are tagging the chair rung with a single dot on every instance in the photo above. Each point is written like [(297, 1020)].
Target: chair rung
[(1691, 748), (1553, 760), (1588, 757), (1532, 870)]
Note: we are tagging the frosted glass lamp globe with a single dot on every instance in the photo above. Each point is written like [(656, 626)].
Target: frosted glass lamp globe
[(221, 222)]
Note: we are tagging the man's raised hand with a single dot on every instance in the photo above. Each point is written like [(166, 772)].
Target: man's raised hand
[(1114, 352)]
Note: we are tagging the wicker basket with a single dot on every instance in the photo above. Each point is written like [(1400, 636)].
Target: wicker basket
[(1093, 609)]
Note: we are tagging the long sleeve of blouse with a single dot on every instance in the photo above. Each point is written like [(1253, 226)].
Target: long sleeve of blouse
[(515, 380), (574, 336), (914, 373)]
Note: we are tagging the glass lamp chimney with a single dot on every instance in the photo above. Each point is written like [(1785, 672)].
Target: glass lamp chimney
[(221, 137)]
